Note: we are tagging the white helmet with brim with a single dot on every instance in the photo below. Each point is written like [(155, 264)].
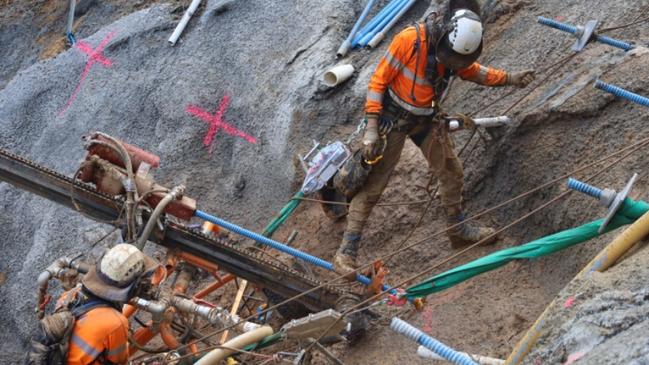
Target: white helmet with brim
[(116, 272), (460, 44)]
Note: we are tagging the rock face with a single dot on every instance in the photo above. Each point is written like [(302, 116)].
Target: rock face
[(267, 58)]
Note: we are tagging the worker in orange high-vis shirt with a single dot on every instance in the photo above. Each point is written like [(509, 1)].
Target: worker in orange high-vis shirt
[(403, 101), (88, 323)]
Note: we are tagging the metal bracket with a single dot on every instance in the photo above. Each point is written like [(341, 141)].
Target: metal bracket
[(617, 203), (378, 272), (585, 35), (304, 159)]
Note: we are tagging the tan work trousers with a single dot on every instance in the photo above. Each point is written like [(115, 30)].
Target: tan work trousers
[(443, 162)]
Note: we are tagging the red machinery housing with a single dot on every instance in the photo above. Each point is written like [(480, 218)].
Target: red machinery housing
[(104, 167)]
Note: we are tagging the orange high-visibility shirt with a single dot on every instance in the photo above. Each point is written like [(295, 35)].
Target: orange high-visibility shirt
[(397, 70), (100, 334)]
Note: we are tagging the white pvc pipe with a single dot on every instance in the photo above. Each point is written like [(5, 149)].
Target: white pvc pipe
[(381, 35), (338, 74), (483, 122), (215, 356), (68, 29), (425, 353), (184, 21)]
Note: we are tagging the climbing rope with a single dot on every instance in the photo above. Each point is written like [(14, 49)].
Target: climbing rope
[(639, 20), (332, 202)]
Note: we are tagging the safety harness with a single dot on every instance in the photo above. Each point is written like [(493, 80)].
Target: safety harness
[(440, 82)]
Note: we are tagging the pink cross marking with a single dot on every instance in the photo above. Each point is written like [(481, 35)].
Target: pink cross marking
[(216, 122), (94, 56), (569, 302)]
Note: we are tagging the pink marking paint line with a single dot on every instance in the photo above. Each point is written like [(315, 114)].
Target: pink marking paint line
[(216, 122), (94, 56), (427, 317)]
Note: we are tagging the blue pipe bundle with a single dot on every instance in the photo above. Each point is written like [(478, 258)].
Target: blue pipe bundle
[(377, 23)]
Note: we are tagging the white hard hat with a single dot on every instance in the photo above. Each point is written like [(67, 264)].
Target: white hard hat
[(461, 44), (122, 264), (466, 36), (116, 272)]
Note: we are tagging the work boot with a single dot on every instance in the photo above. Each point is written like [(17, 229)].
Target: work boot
[(468, 233), (345, 259)]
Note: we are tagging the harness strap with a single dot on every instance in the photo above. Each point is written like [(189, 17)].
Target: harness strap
[(87, 307)]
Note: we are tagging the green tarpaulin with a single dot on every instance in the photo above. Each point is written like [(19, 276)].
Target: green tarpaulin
[(629, 213), (283, 215)]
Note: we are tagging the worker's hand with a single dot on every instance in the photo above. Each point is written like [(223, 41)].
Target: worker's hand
[(521, 79), (467, 121), (371, 139)]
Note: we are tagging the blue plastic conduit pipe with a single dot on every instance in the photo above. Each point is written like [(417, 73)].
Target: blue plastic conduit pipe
[(430, 343), (374, 21), (574, 30), (619, 92), (378, 37), (278, 246), (347, 44), (369, 35), (372, 24)]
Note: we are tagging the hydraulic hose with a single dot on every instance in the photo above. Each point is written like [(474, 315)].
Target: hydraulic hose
[(347, 44), (215, 356), (174, 194), (129, 184), (430, 343), (276, 245), (52, 271)]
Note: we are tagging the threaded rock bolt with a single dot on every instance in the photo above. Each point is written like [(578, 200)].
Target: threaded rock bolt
[(415, 334), (605, 196), (558, 25), (614, 42), (577, 31), (621, 93)]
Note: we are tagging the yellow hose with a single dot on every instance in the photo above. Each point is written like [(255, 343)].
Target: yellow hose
[(605, 259), (213, 357)]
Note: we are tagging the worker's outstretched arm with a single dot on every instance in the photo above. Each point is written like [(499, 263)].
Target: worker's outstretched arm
[(493, 77), (389, 67)]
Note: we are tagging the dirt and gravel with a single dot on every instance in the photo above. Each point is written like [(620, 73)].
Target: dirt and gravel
[(269, 58)]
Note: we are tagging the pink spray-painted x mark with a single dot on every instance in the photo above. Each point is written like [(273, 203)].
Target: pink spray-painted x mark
[(94, 56), (216, 122)]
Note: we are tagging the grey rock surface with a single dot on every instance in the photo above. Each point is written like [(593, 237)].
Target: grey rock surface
[(269, 58), (269, 62)]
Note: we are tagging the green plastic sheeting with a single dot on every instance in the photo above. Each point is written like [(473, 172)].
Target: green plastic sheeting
[(283, 215), (630, 212)]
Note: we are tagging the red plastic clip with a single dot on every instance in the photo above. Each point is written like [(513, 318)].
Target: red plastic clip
[(398, 299)]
